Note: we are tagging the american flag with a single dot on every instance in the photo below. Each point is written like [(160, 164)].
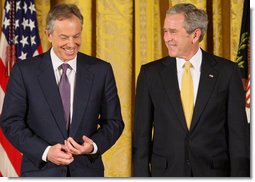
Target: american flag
[(248, 99), (248, 94), (19, 41)]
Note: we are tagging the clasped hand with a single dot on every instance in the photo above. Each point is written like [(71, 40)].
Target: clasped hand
[(63, 154)]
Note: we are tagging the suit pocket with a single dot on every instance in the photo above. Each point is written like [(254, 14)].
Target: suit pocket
[(96, 164), (159, 166), (220, 162), (158, 161), (220, 166)]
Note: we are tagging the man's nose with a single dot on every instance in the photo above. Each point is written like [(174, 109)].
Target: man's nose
[(167, 36), (70, 42)]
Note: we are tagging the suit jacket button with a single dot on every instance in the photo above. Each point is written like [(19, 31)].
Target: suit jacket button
[(188, 162), (189, 141)]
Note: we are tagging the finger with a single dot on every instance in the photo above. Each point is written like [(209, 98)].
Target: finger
[(57, 147), (86, 139), (64, 155), (87, 145), (73, 143), (71, 148), (61, 158), (58, 156), (64, 161), (65, 147)]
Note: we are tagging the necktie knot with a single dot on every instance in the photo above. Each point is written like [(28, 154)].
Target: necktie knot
[(64, 67), (187, 65)]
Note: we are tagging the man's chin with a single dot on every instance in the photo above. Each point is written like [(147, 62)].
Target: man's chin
[(69, 56), (171, 54)]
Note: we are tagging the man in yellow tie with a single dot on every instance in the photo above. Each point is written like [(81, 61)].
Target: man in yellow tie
[(193, 102)]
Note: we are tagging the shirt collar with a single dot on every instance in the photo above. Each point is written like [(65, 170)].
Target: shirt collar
[(196, 61), (56, 62)]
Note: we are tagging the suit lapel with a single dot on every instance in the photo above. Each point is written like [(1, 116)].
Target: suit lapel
[(49, 87), (170, 82), (83, 85), (207, 82)]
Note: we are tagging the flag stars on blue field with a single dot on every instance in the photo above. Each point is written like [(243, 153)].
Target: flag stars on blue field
[(18, 6), (26, 36), (24, 41), (6, 23), (23, 56), (8, 7)]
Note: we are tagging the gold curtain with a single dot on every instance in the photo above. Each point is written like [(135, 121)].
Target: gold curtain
[(148, 39), (127, 34), (114, 37)]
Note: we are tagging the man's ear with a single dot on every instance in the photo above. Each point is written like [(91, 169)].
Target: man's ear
[(46, 32), (48, 35), (196, 35)]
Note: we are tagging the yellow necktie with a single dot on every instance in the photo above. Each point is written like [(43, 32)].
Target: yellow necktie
[(187, 94)]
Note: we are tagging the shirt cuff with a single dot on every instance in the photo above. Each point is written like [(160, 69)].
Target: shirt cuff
[(94, 148), (45, 154)]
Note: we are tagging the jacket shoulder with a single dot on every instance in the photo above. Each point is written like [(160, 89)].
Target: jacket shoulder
[(219, 60), (33, 61), (158, 64), (90, 60)]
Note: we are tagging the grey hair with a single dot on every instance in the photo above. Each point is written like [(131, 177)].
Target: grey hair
[(194, 17), (62, 11)]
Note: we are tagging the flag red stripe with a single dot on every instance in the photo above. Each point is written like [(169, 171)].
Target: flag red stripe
[(13, 154), (3, 78), (39, 49)]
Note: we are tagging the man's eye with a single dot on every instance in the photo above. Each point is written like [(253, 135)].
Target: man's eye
[(77, 36), (63, 38)]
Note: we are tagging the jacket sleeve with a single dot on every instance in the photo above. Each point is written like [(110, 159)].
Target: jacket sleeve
[(238, 127), (13, 119), (142, 131), (110, 120)]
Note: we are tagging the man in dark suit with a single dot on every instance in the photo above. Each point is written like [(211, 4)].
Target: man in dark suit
[(62, 132), (206, 139)]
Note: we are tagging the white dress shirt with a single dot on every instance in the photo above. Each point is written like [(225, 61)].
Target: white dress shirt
[(195, 70), (71, 73)]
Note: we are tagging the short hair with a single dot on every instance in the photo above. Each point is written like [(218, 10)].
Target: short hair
[(62, 11), (194, 17)]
